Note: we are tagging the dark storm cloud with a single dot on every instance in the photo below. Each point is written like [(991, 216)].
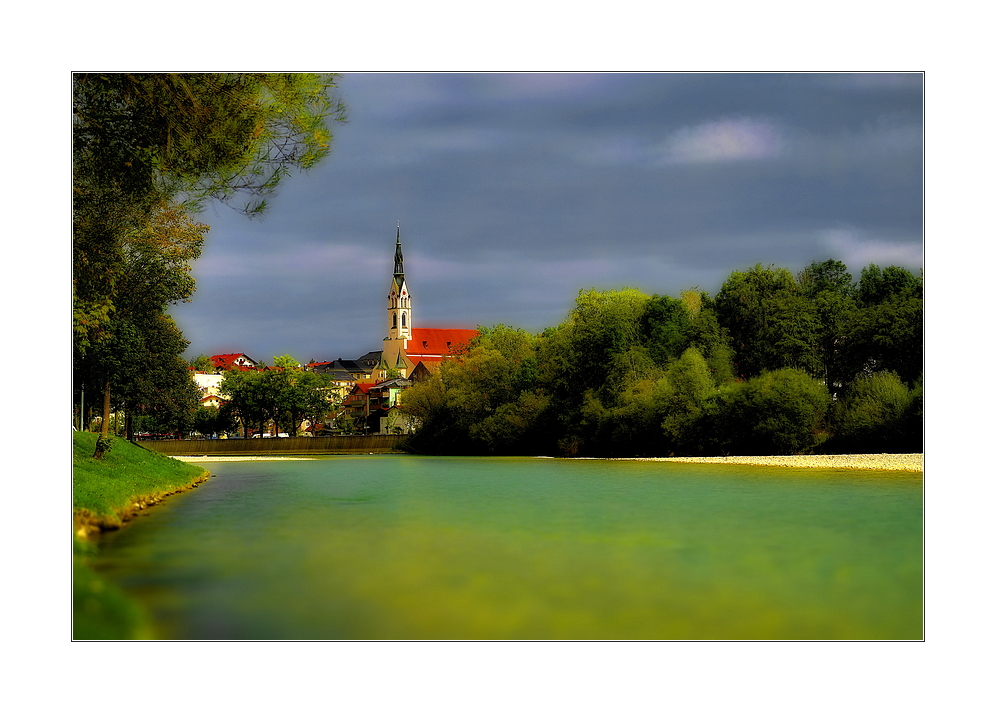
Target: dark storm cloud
[(516, 191)]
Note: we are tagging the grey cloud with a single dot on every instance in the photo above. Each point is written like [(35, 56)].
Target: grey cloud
[(516, 191)]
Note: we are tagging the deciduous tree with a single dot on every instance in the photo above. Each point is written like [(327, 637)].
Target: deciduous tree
[(771, 325), (162, 145)]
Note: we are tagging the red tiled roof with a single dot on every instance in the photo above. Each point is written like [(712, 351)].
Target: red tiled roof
[(428, 342), (227, 361)]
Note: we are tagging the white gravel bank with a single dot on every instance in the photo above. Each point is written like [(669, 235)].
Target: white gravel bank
[(865, 461), (223, 459)]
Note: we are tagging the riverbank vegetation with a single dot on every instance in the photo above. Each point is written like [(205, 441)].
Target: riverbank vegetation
[(106, 493), (774, 364), (149, 151), (286, 395)]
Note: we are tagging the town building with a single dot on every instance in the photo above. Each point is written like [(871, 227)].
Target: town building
[(208, 384), (405, 345), (410, 354), (370, 387), (224, 362)]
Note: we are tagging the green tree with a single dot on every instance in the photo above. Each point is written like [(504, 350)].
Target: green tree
[(666, 324), (202, 363), (304, 395), (285, 396), (143, 143), (692, 385), (285, 362), (771, 325), (601, 325), (159, 386), (141, 140), (427, 406), (208, 420), (708, 336), (877, 285), (246, 399), (886, 331), (602, 336), (829, 288), (878, 415), (486, 400), (138, 355), (777, 412)]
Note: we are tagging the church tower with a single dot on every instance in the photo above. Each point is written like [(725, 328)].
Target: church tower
[(399, 301), (399, 320)]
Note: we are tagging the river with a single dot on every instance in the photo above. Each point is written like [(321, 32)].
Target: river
[(410, 547)]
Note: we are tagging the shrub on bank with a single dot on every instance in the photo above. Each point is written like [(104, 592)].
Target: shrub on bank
[(879, 414), (779, 412)]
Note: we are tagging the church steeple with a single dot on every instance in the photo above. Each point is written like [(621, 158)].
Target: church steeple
[(399, 259), (399, 312)]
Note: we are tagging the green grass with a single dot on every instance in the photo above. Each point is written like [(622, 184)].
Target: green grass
[(105, 492)]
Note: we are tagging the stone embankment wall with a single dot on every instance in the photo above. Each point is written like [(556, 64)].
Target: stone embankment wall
[(328, 445)]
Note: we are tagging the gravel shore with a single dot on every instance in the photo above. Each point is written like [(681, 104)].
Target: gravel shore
[(223, 459), (866, 461)]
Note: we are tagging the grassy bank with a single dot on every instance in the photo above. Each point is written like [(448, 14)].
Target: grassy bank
[(106, 494)]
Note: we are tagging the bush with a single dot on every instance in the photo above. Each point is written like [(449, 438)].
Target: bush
[(779, 412), (879, 414)]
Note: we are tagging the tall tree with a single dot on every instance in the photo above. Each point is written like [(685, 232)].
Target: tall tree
[(771, 325), (140, 140), (666, 324), (285, 362), (708, 336), (887, 328), (145, 141), (140, 344), (829, 288), (202, 362), (877, 285)]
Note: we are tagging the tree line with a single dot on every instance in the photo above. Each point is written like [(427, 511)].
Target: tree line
[(286, 395), (149, 150), (776, 363)]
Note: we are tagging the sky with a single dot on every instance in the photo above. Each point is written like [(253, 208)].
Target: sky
[(516, 191)]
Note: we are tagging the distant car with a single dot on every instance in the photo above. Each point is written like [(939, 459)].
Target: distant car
[(283, 435)]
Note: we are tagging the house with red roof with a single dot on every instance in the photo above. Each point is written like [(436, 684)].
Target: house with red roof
[(371, 385), (224, 362)]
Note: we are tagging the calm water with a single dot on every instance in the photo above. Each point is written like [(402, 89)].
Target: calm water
[(406, 547)]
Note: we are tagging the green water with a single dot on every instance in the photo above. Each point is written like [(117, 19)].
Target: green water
[(406, 547)]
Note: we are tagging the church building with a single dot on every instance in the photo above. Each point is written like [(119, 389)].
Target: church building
[(408, 350)]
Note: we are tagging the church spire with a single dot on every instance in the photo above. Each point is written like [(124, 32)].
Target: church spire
[(399, 315), (399, 259)]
